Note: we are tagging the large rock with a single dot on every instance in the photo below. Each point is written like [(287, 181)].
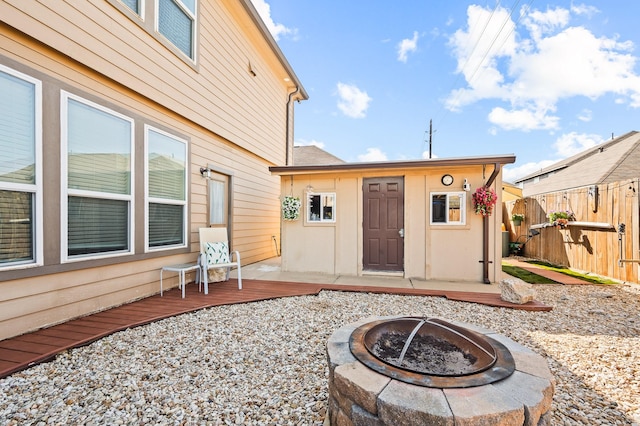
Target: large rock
[(515, 290)]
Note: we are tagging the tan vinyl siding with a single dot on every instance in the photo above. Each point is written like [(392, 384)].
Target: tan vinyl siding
[(231, 120), (218, 94)]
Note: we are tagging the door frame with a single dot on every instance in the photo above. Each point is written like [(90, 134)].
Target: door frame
[(365, 267)]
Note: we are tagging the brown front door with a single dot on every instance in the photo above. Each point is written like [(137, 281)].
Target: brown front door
[(383, 227)]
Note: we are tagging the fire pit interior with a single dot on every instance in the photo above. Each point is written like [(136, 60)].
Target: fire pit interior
[(415, 371), (431, 352)]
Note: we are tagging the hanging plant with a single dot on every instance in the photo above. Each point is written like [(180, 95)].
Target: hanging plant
[(291, 207), (483, 200)]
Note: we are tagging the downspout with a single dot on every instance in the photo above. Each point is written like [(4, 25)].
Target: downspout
[(485, 231), (286, 163)]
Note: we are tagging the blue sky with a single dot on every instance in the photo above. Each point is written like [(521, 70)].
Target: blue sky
[(539, 80)]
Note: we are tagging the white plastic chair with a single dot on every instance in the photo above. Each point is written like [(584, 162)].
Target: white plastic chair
[(215, 253)]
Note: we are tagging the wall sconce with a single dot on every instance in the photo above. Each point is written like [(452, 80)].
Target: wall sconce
[(309, 188), (205, 172), (466, 186)]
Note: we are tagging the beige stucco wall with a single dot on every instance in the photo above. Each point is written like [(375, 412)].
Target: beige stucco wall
[(231, 121), (431, 252)]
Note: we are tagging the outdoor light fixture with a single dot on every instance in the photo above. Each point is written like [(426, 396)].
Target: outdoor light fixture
[(205, 172), (533, 233)]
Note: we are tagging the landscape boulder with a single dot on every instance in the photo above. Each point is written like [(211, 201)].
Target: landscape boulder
[(515, 290)]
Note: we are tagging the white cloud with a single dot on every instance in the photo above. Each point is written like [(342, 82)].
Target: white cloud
[(373, 154), (572, 143), (585, 115), (523, 119), (264, 10), (406, 46), (304, 142), (511, 174), (533, 70), (353, 101)]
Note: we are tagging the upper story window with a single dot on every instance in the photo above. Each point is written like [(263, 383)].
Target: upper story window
[(97, 181), (321, 207), (20, 169), (448, 208), (176, 20), (134, 5), (166, 189)]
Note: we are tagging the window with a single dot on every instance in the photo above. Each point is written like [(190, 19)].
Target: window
[(166, 189), (176, 21), (321, 207), (20, 169), (97, 191), (133, 5), (218, 199), (448, 208)]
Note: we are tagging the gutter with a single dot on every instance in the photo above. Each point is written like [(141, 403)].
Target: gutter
[(286, 141), (485, 230)]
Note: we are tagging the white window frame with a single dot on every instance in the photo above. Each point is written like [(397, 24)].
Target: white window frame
[(148, 199), (194, 28), (140, 13), (463, 208), (65, 192), (322, 196), (35, 189)]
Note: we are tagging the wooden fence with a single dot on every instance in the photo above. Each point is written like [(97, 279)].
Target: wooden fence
[(603, 238)]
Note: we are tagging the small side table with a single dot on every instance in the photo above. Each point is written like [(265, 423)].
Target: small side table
[(181, 269)]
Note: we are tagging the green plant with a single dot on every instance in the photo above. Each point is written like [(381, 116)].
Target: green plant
[(291, 207), (517, 217), (562, 215)]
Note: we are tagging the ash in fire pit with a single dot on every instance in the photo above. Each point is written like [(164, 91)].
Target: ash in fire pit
[(430, 352), (425, 354)]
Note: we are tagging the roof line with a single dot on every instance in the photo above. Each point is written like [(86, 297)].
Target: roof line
[(576, 158), (411, 164)]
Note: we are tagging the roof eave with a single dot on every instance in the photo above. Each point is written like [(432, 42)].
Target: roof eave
[(414, 164), (255, 17)]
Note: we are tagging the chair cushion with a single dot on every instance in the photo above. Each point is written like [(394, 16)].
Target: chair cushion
[(217, 253)]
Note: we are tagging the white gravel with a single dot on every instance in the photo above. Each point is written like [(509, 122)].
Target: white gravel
[(264, 363)]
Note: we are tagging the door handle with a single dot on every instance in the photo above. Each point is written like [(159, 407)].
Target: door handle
[(401, 232)]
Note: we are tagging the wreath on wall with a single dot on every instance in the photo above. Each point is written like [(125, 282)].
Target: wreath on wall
[(483, 200), (291, 207)]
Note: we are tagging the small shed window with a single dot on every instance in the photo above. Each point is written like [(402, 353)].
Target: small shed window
[(448, 208), (321, 207)]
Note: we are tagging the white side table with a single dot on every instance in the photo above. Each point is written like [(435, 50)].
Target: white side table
[(181, 269)]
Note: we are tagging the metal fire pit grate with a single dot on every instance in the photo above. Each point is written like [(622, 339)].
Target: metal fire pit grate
[(431, 352)]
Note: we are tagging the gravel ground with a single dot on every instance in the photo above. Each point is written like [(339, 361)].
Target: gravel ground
[(264, 363)]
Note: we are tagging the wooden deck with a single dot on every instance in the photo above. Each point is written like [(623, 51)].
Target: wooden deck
[(21, 352)]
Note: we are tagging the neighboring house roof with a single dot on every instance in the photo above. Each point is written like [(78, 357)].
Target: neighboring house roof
[(613, 161), (312, 155)]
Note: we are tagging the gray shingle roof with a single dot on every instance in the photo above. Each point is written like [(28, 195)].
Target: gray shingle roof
[(310, 155), (612, 161)]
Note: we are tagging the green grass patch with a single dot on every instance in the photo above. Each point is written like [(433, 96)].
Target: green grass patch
[(524, 275), (585, 277)]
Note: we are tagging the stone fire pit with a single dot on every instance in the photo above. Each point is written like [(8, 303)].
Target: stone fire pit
[(359, 395)]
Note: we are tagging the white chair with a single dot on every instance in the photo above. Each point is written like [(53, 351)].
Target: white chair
[(214, 253)]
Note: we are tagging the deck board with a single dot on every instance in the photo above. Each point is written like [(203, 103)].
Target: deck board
[(21, 352)]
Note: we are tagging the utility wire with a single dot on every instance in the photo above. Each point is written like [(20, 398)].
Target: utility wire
[(444, 111)]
